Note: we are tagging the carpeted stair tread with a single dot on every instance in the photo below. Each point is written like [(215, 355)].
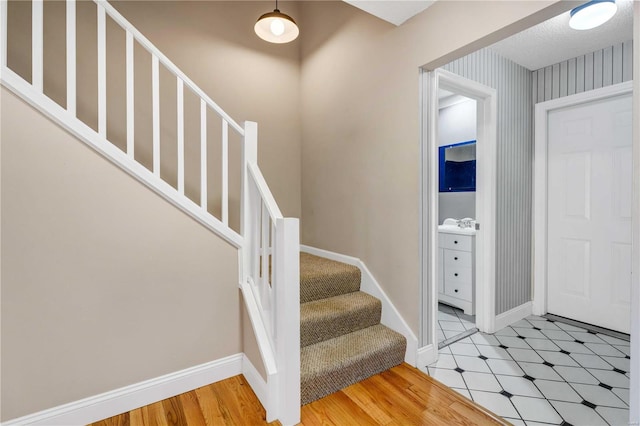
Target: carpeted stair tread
[(332, 317), (334, 364), (321, 278)]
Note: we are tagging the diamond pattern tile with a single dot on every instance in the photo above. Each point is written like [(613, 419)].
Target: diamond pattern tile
[(538, 372)]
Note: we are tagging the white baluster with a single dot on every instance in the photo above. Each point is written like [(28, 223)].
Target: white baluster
[(130, 97), (155, 97), (102, 72), (264, 253), (71, 57), (225, 172), (180, 130), (37, 40), (203, 154)]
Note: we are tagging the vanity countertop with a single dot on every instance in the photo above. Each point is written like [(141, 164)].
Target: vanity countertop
[(454, 229)]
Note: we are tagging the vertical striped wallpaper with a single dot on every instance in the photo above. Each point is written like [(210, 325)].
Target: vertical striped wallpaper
[(611, 65), (514, 170)]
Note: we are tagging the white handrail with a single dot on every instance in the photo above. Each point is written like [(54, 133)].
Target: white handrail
[(265, 193)]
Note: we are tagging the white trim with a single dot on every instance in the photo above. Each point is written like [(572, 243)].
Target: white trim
[(540, 182), (391, 317), (634, 409), (486, 183), (634, 398), (513, 315), (427, 355), (108, 404), (256, 381)]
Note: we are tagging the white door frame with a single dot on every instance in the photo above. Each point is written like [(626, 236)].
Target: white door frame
[(485, 201), (540, 171)]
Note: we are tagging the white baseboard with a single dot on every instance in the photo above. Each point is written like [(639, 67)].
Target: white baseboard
[(427, 355), (390, 315), (255, 380), (108, 404), (513, 315)]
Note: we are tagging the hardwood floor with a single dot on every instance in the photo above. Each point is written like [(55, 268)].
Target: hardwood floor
[(400, 396)]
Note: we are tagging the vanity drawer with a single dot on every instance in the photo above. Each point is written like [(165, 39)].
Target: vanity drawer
[(455, 258), (455, 242), (461, 274), (458, 290)]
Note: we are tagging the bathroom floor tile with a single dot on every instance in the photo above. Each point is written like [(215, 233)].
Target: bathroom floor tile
[(539, 371), (592, 361), (472, 363), (614, 416), (542, 344), (481, 381), (611, 378), (578, 414), (576, 375), (536, 409), (528, 355), (519, 386), (558, 358), (505, 367), (495, 402), (558, 391), (599, 396)]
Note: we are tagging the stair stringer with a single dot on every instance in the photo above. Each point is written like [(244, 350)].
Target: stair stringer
[(390, 315)]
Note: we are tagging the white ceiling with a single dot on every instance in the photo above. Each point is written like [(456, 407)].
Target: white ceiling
[(393, 11), (554, 41), (545, 44)]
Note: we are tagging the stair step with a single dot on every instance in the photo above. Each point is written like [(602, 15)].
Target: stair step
[(334, 364), (321, 278), (325, 319)]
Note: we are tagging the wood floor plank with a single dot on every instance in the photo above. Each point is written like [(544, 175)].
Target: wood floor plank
[(336, 409), (191, 409), (173, 412), (400, 396), (212, 412)]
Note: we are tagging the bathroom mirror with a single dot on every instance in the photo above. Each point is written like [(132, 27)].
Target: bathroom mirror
[(458, 167)]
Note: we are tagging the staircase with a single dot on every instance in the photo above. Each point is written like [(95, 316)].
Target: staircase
[(341, 339)]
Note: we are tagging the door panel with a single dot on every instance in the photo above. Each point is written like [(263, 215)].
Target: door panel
[(589, 212)]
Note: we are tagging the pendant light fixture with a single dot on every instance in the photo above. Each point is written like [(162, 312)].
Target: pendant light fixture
[(592, 14), (276, 27)]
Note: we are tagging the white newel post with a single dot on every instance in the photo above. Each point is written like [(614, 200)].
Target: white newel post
[(287, 319)]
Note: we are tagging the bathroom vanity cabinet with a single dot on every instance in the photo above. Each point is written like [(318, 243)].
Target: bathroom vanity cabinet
[(456, 278)]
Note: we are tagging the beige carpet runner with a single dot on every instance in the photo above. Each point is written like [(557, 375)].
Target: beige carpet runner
[(341, 338)]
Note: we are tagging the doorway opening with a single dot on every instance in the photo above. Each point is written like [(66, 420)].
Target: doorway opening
[(458, 252)]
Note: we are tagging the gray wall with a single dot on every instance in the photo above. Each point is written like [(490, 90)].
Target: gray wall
[(514, 170), (605, 67)]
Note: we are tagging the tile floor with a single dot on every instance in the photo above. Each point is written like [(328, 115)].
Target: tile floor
[(452, 322), (540, 372)]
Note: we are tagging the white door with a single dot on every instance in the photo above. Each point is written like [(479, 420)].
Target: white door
[(589, 212)]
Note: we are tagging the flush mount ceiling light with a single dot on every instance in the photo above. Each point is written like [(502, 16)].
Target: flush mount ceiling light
[(592, 14), (276, 27)]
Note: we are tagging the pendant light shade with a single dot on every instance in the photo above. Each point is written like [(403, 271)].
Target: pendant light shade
[(276, 27), (592, 14)]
